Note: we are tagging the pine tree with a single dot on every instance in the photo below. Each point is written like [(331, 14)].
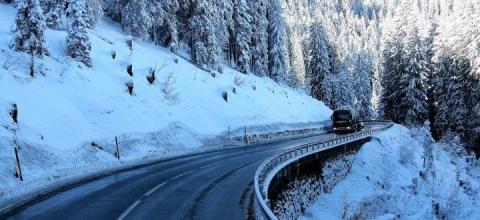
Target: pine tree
[(363, 69), (457, 102), (442, 73), (474, 128), (113, 9), (225, 29), (56, 14), (413, 108), (243, 35), (343, 88), (259, 37), (136, 19), (433, 33), (165, 23), (78, 42), (320, 63), (94, 12), (29, 29), (296, 77), (449, 92), (205, 49), (469, 53), (279, 61), (328, 89), (394, 64)]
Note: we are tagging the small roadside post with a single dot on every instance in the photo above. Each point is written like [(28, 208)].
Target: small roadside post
[(117, 151), (228, 132), (245, 138), (18, 172)]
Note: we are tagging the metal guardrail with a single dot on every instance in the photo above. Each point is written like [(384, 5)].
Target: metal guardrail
[(270, 167)]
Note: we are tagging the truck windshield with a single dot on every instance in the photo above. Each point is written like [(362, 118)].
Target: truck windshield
[(341, 116)]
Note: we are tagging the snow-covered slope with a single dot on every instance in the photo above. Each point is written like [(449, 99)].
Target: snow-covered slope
[(388, 181), (67, 106)]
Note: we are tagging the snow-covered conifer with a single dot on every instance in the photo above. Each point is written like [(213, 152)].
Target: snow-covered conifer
[(55, 16), (363, 69), (413, 107), (165, 24), (259, 37), (279, 61), (205, 49), (29, 29), (94, 12), (113, 9), (394, 61), (243, 35), (320, 63), (225, 28), (136, 19), (78, 41), (344, 94)]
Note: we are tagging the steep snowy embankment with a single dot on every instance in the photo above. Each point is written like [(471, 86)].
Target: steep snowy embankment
[(389, 180), (66, 106)]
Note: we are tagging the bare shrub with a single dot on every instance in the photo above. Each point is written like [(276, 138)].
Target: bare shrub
[(406, 155), (448, 208), (114, 54), (168, 90), (151, 77), (414, 186), (161, 67), (238, 80), (367, 208), (10, 63), (359, 214), (300, 194), (346, 206)]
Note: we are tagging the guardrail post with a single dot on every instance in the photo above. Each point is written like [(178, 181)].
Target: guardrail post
[(245, 137), (117, 151), (18, 172), (228, 132)]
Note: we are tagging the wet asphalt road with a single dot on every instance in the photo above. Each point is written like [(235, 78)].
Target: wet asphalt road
[(211, 185)]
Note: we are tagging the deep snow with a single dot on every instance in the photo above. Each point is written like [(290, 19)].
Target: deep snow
[(388, 181), (67, 106)]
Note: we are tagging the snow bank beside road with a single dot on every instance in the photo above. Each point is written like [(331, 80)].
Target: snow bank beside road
[(67, 106), (388, 181)]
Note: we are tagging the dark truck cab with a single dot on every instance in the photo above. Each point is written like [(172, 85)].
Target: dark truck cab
[(346, 119)]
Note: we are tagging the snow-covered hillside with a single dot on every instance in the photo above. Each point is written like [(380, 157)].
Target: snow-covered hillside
[(390, 179), (67, 106)]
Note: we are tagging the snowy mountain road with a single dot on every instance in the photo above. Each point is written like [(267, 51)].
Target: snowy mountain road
[(211, 185)]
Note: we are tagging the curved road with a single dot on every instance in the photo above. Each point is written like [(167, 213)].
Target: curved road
[(211, 185)]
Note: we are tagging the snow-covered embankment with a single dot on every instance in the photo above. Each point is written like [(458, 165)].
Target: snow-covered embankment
[(390, 179)]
